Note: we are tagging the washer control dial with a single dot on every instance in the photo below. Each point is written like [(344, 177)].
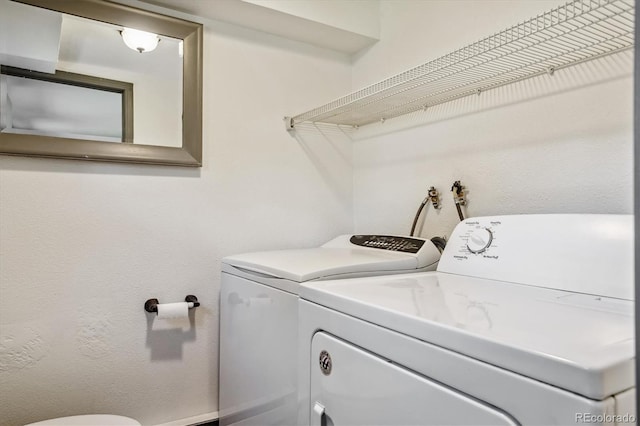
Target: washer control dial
[(479, 240)]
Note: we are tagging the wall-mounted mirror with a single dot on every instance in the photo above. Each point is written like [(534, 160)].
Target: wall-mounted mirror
[(77, 83)]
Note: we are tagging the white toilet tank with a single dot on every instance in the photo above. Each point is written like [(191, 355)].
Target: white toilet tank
[(88, 420)]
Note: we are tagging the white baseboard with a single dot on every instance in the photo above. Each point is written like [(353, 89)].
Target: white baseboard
[(195, 420)]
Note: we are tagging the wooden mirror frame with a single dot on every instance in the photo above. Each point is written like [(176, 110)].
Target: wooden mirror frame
[(190, 154)]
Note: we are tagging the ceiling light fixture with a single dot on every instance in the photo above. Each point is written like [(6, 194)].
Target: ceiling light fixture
[(140, 41)]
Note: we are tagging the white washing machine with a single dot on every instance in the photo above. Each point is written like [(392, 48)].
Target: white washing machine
[(259, 316), (528, 320)]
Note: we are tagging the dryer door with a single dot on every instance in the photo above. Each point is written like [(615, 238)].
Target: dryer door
[(350, 386)]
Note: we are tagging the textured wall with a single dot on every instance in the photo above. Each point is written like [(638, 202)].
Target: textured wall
[(554, 144), (83, 245)]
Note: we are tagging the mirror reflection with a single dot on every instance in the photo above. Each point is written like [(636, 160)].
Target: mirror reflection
[(87, 79)]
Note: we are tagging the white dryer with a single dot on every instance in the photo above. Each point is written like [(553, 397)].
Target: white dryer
[(259, 316), (528, 320)]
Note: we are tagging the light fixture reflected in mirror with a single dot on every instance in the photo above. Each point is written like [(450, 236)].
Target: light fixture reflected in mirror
[(140, 41)]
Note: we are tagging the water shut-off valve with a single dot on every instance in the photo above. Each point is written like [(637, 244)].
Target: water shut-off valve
[(457, 190), (458, 193), (434, 197)]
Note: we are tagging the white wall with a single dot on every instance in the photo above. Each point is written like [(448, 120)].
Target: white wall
[(357, 16), (555, 144), (28, 39), (83, 244)]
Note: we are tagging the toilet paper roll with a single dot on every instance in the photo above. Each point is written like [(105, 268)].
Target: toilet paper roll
[(173, 310)]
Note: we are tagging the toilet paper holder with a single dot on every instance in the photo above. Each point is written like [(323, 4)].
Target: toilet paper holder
[(151, 305)]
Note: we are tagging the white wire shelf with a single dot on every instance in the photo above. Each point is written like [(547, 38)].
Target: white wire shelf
[(578, 31)]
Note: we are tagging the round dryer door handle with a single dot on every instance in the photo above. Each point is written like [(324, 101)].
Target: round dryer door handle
[(317, 415)]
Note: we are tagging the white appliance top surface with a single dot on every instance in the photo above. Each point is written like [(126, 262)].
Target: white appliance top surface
[(336, 258), (578, 342), (88, 420), (309, 264)]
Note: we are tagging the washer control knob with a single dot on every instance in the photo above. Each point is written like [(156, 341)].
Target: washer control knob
[(479, 240)]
